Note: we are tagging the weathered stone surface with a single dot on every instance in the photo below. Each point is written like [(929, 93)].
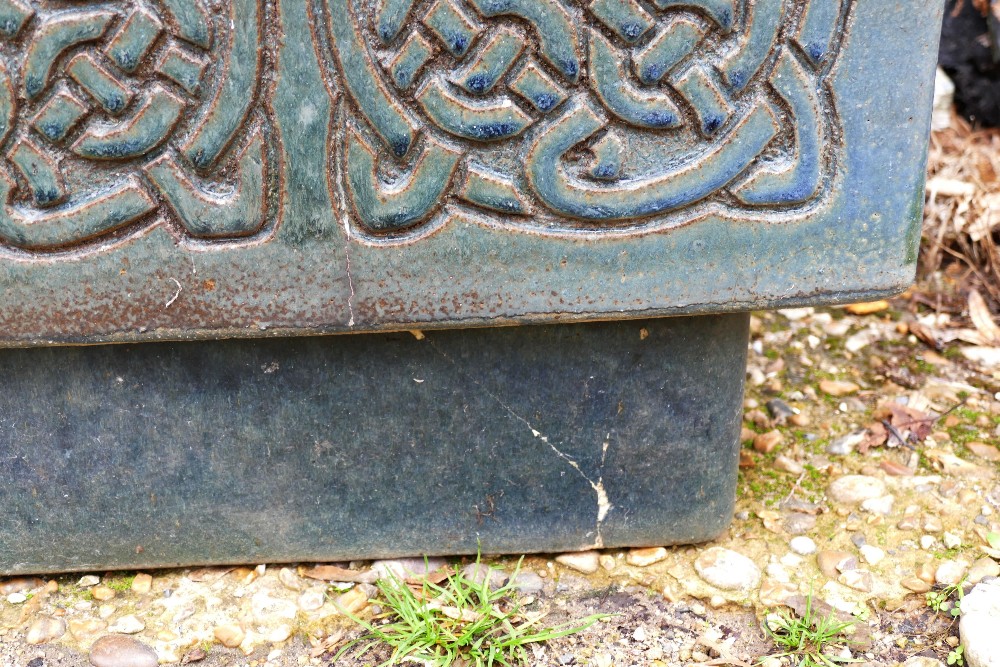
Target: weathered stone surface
[(727, 569), (525, 401), (854, 489)]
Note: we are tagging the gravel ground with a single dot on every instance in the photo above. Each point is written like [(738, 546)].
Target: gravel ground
[(868, 478)]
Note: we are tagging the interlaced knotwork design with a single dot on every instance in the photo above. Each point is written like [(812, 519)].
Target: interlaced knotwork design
[(121, 115), (596, 116)]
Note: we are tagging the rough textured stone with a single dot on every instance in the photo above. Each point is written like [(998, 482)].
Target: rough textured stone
[(727, 569), (854, 489), (978, 625)]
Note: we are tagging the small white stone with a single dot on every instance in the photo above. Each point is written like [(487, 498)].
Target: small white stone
[(927, 542), (881, 505), (312, 599), (639, 634), (802, 545), (792, 560), (581, 561), (950, 572), (951, 540), (727, 569), (777, 572), (17, 598), (872, 554), (978, 627), (88, 580), (853, 489), (127, 625)]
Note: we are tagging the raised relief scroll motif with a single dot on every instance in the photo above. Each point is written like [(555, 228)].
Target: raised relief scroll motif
[(594, 116), (122, 115)]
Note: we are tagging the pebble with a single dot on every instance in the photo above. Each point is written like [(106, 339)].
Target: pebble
[(45, 629), (927, 542), (289, 579), (984, 451), (528, 583), (102, 593), (872, 555), (644, 557), (17, 598), (915, 584), (312, 599), (854, 489), (142, 584), (478, 572), (86, 630), (797, 523), (882, 505), (951, 540), (802, 545), (608, 562), (20, 585), (766, 443), (268, 610), (788, 464), (838, 387), (779, 410), (845, 444), (979, 623), (88, 581), (982, 568), (727, 569), (230, 635), (922, 661), (127, 625), (859, 580), (121, 651), (581, 561), (639, 634), (832, 563), (950, 572), (353, 601)]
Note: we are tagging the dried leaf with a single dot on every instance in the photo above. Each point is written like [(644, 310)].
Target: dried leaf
[(320, 646), (464, 615), (334, 573), (929, 336), (982, 318), (194, 655), (209, 573)]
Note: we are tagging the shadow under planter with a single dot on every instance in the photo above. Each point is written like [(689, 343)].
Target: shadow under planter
[(537, 438)]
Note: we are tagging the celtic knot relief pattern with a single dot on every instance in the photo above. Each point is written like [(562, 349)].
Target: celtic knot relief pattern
[(569, 116), (120, 115)]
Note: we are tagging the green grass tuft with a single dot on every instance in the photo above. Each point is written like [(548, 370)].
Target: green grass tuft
[(460, 621), (805, 640)]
